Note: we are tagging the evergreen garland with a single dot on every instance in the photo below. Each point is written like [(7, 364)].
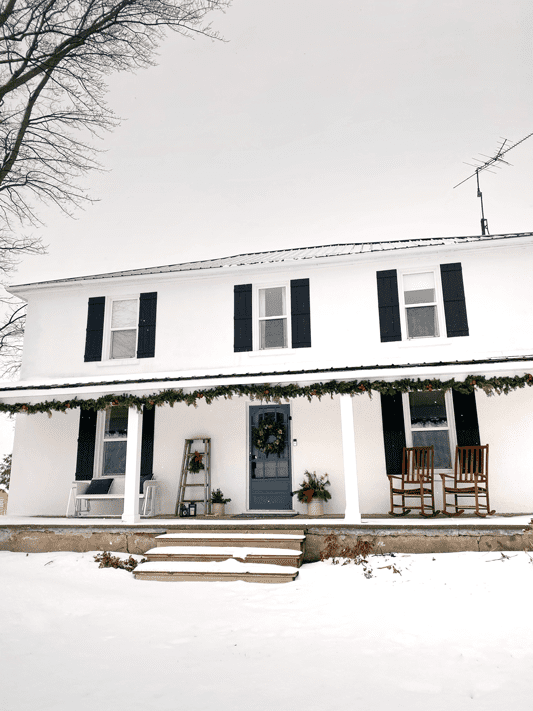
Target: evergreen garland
[(276, 393)]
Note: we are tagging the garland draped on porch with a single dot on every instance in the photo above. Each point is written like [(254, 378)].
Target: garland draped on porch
[(266, 392)]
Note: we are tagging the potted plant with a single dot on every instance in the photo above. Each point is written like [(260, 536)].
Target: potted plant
[(313, 492), (218, 502)]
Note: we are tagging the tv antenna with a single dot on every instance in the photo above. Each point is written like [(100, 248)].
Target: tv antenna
[(492, 161)]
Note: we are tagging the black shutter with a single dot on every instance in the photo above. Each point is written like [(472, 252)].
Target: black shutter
[(147, 446), (389, 306), (300, 313), (86, 440), (466, 422), (393, 431), (454, 299), (95, 329), (147, 318), (242, 318)]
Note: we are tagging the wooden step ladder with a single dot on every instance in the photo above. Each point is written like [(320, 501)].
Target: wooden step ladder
[(190, 448)]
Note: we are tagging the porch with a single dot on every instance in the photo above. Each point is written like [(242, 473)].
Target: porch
[(332, 426)]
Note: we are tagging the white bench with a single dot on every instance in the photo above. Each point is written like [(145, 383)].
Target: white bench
[(81, 501)]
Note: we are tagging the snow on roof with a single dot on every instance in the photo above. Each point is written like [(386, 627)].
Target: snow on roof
[(288, 255)]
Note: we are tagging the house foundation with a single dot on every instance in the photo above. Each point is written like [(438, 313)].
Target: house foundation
[(406, 537)]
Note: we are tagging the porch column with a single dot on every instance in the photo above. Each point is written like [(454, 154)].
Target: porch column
[(352, 513), (133, 467)]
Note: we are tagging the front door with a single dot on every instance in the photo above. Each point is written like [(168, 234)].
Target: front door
[(270, 473)]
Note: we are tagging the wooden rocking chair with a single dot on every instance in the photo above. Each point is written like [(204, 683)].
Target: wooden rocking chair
[(469, 480), (415, 482)]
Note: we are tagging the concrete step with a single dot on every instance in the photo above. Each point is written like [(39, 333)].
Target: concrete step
[(259, 539), (276, 556), (227, 570)]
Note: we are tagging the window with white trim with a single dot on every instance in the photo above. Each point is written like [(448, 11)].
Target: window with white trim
[(112, 436), (123, 328), (422, 308), (429, 421), (272, 318)]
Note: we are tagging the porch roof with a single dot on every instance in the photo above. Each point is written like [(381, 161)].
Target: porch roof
[(504, 366), (319, 252)]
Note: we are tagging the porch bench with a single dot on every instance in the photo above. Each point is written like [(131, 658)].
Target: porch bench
[(81, 499)]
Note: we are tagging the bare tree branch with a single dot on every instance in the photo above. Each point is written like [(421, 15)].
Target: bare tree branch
[(54, 58)]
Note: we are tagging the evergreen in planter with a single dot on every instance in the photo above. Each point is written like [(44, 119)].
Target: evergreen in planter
[(313, 487), (218, 502)]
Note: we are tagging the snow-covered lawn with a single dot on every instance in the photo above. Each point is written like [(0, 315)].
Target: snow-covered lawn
[(448, 631)]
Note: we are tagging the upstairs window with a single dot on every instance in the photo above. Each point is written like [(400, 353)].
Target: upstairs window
[(123, 330), (421, 305), (272, 317), (420, 302)]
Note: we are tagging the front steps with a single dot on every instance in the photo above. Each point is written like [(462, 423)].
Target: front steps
[(258, 557)]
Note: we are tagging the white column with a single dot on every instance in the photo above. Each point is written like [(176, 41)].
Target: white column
[(133, 467), (352, 513)]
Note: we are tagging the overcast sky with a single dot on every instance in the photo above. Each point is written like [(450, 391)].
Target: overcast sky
[(314, 123)]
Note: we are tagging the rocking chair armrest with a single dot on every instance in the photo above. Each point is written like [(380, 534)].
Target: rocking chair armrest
[(446, 476), (394, 476)]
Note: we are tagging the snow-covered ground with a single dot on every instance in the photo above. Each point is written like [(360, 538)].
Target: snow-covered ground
[(429, 632)]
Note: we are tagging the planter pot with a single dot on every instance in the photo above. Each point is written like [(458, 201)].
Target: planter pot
[(218, 509), (315, 507)]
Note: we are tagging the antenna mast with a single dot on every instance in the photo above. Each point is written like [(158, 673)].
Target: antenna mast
[(490, 162)]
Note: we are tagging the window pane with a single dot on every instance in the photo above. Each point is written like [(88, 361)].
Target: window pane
[(419, 288), (422, 322), (114, 458), (124, 313), (116, 422), (420, 296), (123, 344), (273, 333), (428, 409), (272, 301), (440, 440)]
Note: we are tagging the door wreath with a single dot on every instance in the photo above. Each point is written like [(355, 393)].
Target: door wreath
[(266, 429)]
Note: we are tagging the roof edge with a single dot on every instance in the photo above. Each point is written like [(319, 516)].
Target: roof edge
[(246, 259)]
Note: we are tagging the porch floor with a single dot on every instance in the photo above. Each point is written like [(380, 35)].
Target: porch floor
[(369, 521)]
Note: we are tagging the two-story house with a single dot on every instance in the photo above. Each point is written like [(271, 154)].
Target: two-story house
[(120, 368)]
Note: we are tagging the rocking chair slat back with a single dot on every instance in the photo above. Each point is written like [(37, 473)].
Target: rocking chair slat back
[(417, 464), (472, 464)]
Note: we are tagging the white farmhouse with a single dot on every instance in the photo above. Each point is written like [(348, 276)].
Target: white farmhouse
[(120, 368)]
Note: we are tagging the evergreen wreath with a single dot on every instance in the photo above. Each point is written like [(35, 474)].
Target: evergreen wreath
[(266, 429), (195, 462)]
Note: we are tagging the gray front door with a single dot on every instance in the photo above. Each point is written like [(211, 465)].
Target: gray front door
[(270, 474)]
